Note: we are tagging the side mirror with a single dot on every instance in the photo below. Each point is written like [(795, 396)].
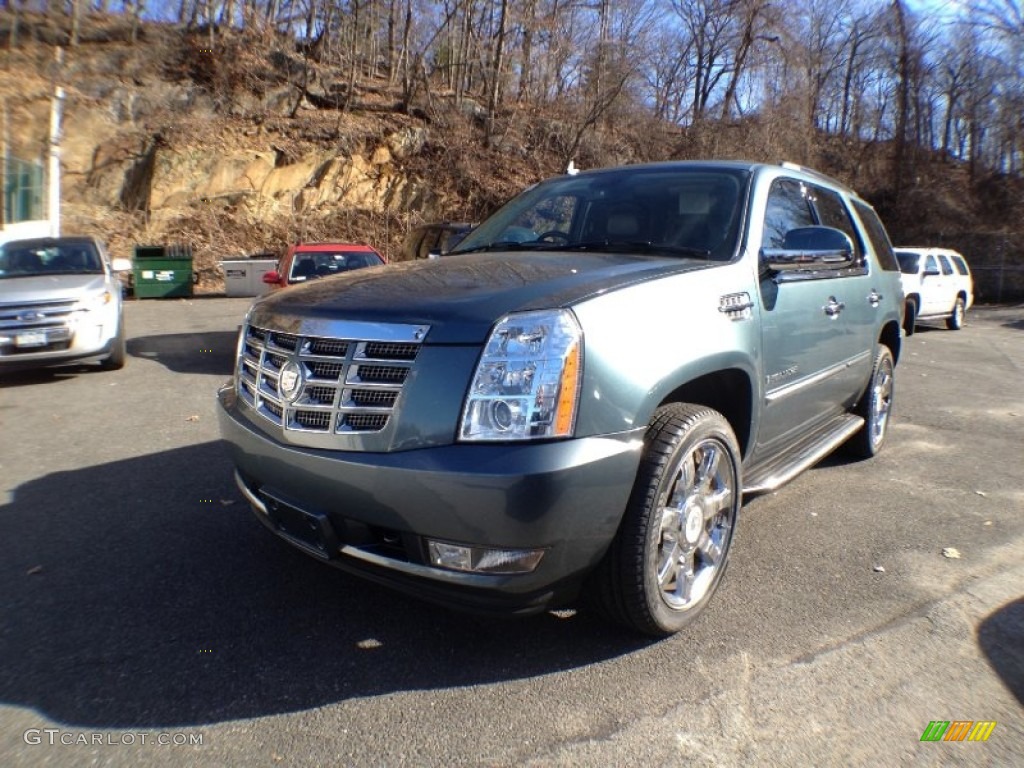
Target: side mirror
[(809, 249), (121, 264), (271, 278), (433, 254)]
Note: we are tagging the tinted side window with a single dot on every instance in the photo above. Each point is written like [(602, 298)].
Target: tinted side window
[(944, 263), (877, 235), (930, 265), (909, 262), (832, 213), (788, 208), (961, 265)]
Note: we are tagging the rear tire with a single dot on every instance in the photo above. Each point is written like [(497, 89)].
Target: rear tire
[(956, 320), (875, 407), (673, 544)]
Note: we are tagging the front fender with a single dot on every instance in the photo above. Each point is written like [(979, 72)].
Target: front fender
[(649, 343)]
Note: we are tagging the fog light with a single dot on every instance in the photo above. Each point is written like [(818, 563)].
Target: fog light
[(482, 560)]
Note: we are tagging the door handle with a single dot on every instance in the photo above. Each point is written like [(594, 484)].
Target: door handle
[(874, 298), (834, 307)]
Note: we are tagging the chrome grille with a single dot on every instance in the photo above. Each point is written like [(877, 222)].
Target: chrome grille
[(47, 323), (329, 371), (318, 421), (371, 397), (332, 347), (345, 385), (380, 374), (367, 422), (382, 350), (284, 341)]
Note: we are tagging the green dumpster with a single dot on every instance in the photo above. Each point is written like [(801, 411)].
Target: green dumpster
[(162, 271)]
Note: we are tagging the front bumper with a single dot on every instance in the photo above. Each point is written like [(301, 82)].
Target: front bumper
[(92, 335), (372, 512)]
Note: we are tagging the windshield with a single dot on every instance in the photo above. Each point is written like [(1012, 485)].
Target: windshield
[(307, 264), (690, 212), (908, 261), (30, 259)]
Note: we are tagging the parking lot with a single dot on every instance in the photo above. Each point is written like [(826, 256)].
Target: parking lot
[(147, 618)]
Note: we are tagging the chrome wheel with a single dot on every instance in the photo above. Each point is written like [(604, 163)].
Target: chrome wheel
[(697, 517), (875, 407), (881, 400), (673, 544)]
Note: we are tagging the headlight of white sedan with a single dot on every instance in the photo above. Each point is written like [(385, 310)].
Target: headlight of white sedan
[(526, 385)]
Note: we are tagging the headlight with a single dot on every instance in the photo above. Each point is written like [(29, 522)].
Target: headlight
[(94, 302), (527, 382)]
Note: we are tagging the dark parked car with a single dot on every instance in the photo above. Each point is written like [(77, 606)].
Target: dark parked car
[(580, 411)]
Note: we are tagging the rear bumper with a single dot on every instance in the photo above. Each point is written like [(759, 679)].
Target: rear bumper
[(376, 510)]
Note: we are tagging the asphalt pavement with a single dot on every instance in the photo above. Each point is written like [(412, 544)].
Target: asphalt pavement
[(147, 619)]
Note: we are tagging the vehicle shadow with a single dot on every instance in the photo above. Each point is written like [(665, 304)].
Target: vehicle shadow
[(37, 376), (1001, 637), (209, 353), (142, 593)]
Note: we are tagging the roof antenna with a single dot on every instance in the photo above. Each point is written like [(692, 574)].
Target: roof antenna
[(571, 169)]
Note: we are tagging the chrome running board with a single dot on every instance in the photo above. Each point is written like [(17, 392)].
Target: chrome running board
[(779, 469)]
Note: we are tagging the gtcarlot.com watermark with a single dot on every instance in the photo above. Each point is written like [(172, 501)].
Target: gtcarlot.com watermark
[(59, 737)]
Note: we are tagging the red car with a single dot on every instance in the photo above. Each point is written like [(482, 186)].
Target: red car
[(307, 261)]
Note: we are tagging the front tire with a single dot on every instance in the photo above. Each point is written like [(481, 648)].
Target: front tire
[(875, 407), (118, 351), (673, 544), (956, 320), (910, 317)]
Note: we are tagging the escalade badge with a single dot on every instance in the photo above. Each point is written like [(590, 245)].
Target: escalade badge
[(289, 381)]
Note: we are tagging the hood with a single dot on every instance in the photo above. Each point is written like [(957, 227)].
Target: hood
[(50, 287), (461, 297)]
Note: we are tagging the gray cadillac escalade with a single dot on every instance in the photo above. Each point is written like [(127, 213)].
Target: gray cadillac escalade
[(574, 402)]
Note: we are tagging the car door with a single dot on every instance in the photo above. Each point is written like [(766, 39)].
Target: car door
[(808, 336), (862, 289), (949, 284), (932, 289)]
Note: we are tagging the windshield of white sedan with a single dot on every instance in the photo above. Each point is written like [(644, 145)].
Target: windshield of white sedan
[(690, 213), (18, 259)]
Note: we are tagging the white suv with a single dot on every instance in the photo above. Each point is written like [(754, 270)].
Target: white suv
[(937, 284)]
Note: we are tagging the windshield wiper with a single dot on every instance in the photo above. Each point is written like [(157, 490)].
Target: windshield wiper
[(501, 245), (639, 246), (599, 246)]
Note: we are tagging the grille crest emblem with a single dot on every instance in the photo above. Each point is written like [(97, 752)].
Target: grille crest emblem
[(289, 382)]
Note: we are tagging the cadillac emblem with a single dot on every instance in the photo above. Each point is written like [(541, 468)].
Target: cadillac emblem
[(289, 381)]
